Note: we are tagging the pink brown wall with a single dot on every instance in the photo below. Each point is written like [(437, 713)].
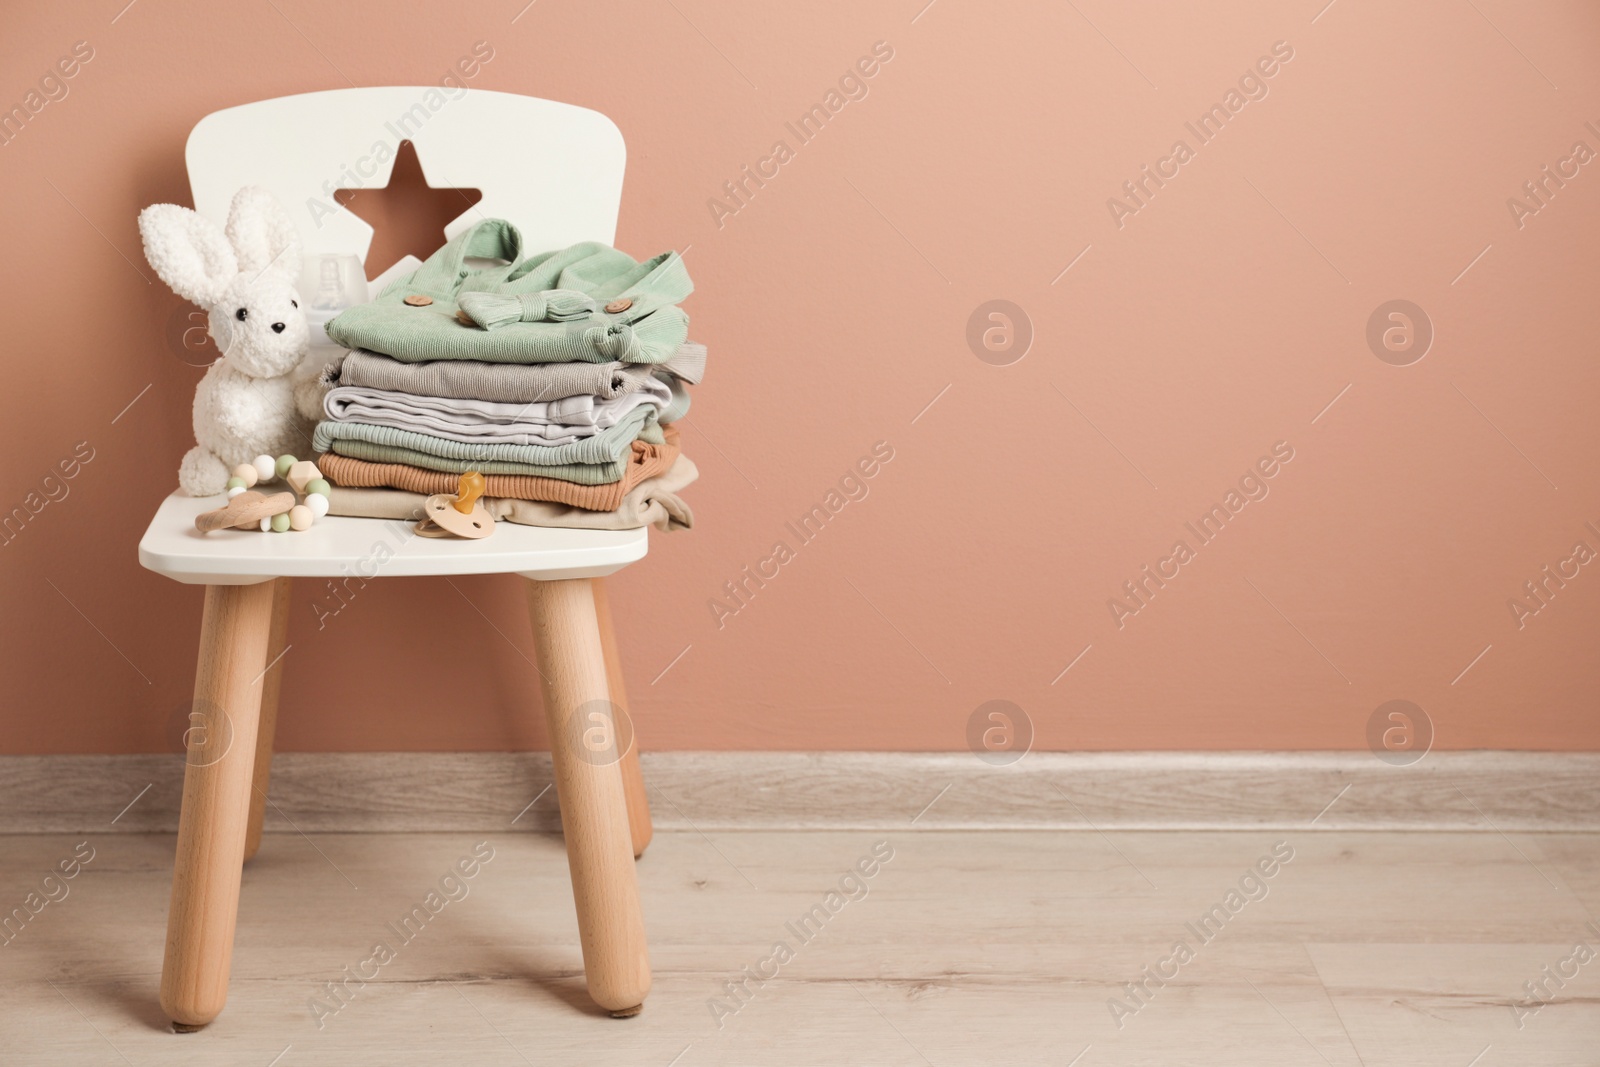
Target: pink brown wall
[(1177, 340)]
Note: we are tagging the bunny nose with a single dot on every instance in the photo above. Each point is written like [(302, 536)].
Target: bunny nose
[(277, 327)]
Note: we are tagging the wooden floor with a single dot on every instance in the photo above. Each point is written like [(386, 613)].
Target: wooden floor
[(1401, 949)]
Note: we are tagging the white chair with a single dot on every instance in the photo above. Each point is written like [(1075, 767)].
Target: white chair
[(559, 179)]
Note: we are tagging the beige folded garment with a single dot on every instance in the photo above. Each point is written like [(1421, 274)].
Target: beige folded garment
[(653, 502)]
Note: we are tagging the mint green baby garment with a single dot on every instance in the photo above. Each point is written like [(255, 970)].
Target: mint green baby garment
[(647, 326), (597, 460)]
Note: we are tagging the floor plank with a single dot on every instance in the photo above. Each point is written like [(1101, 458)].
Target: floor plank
[(962, 947)]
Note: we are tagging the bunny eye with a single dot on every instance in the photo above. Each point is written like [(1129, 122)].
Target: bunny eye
[(294, 303), (241, 314)]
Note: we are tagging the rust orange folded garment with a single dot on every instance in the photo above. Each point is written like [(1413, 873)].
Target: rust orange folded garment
[(646, 461)]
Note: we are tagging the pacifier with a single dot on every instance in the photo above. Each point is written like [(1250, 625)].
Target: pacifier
[(460, 515)]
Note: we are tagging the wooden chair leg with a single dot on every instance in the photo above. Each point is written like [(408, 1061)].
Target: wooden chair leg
[(632, 777), (216, 802), (270, 683), (594, 808)]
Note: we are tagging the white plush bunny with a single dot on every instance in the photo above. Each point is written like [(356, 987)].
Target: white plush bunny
[(244, 278)]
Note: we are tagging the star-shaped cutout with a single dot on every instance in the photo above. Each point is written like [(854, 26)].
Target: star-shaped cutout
[(408, 216)]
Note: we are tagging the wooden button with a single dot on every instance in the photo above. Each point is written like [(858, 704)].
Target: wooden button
[(618, 306), (419, 300), (464, 319)]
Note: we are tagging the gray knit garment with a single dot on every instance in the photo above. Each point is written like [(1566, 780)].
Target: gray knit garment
[(511, 383), (551, 422)]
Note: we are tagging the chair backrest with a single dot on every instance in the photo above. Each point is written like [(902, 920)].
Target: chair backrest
[(554, 170)]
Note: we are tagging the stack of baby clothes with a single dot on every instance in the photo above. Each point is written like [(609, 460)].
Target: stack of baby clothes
[(556, 376)]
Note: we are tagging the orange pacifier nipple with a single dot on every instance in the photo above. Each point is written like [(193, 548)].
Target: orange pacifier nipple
[(473, 485)]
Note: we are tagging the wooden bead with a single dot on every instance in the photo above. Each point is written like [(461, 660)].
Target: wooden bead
[(301, 473), (301, 517), (247, 473)]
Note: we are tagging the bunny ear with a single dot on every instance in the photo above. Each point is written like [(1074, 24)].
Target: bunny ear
[(188, 251), (264, 236)]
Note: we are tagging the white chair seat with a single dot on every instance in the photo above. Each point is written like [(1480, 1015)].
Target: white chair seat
[(338, 547)]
